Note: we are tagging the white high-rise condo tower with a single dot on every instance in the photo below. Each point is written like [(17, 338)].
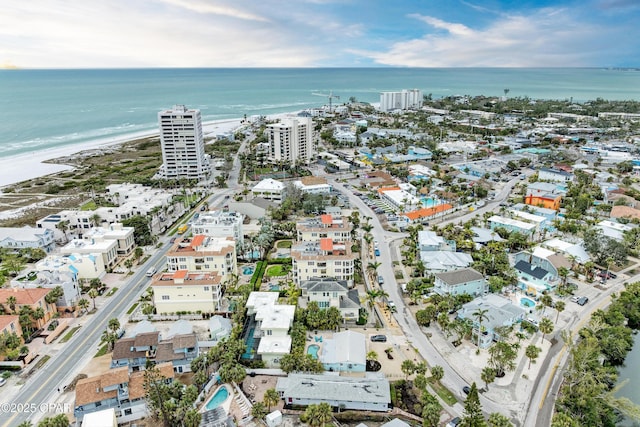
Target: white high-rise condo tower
[(291, 140), (404, 100), (182, 144)]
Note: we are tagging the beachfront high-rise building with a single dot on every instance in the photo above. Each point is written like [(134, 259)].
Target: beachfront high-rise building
[(403, 100), (182, 144), (291, 140)]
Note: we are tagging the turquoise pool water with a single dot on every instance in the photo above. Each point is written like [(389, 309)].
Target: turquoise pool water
[(313, 350), (247, 270), (249, 342), (216, 400), (429, 202), (527, 302)]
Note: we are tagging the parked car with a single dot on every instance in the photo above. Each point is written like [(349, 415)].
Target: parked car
[(575, 298), (607, 275), (583, 301), (380, 280), (454, 422), (377, 252), (466, 389), (379, 338)]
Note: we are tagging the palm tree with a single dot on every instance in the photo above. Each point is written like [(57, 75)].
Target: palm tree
[(559, 306), (271, 397), (83, 304), (372, 355), (488, 375), (114, 325), (258, 410), (480, 315), (93, 294), (545, 326), (372, 269), (437, 373), (38, 315), (563, 272), (11, 302), (532, 353)]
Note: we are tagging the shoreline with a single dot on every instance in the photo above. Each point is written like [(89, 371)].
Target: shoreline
[(37, 164)]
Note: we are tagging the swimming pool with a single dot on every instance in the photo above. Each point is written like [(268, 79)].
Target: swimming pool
[(247, 270), (429, 202), (218, 398), (313, 350), (527, 302)]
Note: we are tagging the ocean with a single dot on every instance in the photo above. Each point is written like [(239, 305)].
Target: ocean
[(43, 109)]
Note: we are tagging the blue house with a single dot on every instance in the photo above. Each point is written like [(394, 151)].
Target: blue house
[(346, 351)]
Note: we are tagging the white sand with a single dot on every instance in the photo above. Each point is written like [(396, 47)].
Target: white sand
[(27, 166)]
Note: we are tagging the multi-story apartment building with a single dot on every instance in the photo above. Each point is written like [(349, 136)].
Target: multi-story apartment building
[(182, 144), (323, 258), (185, 291), (13, 299), (403, 100), (220, 224), (116, 231), (49, 277), (203, 254), (291, 140), (105, 248), (84, 266), (313, 229)]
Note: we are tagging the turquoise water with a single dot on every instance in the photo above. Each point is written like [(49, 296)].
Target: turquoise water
[(247, 270), (249, 342), (527, 302), (216, 400), (429, 202), (313, 350), (42, 109)]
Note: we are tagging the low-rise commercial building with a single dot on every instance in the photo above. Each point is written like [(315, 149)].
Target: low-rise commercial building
[(182, 290)]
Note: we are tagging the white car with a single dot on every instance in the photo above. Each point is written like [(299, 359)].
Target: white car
[(575, 298), (2, 381)]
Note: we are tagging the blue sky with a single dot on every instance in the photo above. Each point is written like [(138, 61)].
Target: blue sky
[(319, 33)]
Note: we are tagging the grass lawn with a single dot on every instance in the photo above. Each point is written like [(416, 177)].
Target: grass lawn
[(278, 270), (284, 244), (133, 307), (89, 206), (102, 351), (40, 363), (69, 334), (443, 392), (111, 292)]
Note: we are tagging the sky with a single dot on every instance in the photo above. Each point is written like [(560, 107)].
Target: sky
[(319, 33)]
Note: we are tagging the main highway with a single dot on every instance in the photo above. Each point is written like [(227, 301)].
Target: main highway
[(42, 387)]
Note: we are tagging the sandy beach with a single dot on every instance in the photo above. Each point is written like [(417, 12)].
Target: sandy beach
[(27, 166)]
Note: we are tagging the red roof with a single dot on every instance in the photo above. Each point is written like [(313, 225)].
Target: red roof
[(427, 212), (180, 274), (326, 219), (5, 320), (383, 189), (197, 240), (326, 244), (23, 296)]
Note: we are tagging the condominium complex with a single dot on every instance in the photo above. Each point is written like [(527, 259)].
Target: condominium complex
[(182, 144), (203, 254), (291, 140), (313, 229), (403, 100), (322, 258), (220, 224)]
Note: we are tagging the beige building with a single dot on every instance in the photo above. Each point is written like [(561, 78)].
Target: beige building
[(105, 248), (204, 253), (323, 258), (184, 291), (326, 227), (116, 231)]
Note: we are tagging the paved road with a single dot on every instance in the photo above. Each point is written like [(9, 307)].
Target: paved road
[(452, 380), (65, 364)]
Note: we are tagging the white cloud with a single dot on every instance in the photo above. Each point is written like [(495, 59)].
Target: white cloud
[(546, 38), (202, 6)]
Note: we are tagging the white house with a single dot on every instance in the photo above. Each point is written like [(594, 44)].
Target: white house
[(269, 189), (369, 393), (346, 351), (555, 175), (220, 223), (27, 237), (270, 323), (107, 249), (329, 292), (86, 266)]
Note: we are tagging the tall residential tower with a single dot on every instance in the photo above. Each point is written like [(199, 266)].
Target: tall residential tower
[(182, 144), (291, 140)]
